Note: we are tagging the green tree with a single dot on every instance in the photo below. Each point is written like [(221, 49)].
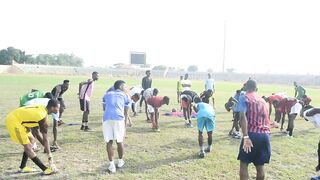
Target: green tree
[(160, 68), (192, 68)]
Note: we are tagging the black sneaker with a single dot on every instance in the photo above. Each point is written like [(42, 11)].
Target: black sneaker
[(87, 129), (82, 127)]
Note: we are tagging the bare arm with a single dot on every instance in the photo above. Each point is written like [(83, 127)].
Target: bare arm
[(43, 125), (247, 144), (58, 91)]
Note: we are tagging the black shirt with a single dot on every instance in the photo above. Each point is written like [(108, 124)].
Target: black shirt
[(146, 82)]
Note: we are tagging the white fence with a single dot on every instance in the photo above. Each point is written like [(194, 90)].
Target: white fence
[(310, 80)]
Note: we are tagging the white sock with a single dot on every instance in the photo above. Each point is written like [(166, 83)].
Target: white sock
[(112, 163), (201, 148)]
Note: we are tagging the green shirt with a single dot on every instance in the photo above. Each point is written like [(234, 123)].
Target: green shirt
[(300, 92), (31, 95)]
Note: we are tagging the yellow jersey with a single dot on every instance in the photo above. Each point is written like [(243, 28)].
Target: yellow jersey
[(28, 116)]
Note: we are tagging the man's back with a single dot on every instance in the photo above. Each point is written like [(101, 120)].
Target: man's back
[(257, 112), (30, 116), (114, 103)]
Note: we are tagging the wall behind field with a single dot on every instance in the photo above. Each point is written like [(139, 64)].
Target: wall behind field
[(308, 80)]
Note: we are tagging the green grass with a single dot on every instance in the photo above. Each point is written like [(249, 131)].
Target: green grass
[(171, 154)]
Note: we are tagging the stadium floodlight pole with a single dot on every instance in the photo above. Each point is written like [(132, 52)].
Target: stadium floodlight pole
[(224, 46)]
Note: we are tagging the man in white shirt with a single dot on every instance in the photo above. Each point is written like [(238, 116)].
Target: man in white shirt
[(209, 85), (313, 115), (186, 83)]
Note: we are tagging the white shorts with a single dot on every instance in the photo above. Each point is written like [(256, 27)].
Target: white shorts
[(113, 130), (150, 109), (296, 109)]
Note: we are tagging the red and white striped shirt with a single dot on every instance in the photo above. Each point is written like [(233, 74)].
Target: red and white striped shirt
[(257, 112)]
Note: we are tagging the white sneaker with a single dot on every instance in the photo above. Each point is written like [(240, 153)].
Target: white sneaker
[(120, 163), (112, 168)]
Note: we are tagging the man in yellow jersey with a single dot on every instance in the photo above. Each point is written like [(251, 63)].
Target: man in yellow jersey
[(19, 122)]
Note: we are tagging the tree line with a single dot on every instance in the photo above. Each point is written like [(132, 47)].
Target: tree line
[(7, 56)]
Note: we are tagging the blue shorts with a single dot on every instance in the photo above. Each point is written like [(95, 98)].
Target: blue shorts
[(260, 152), (205, 123)]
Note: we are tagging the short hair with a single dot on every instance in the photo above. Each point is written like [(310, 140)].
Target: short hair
[(66, 81), (148, 71), (155, 91), (197, 100), (48, 95), (94, 72), (136, 96), (118, 84), (53, 103), (166, 100), (251, 85), (304, 96), (238, 91)]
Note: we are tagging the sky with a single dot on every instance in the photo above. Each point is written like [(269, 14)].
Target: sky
[(274, 36)]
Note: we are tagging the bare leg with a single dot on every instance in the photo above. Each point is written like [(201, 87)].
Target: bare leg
[(110, 150), (260, 172), (244, 171), (120, 150), (209, 138), (200, 139), (146, 109)]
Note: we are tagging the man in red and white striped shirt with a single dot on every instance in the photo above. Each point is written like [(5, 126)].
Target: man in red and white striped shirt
[(254, 119)]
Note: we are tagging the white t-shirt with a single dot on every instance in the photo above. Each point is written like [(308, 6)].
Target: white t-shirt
[(186, 82), (43, 102), (315, 119), (209, 84), (148, 93), (135, 90)]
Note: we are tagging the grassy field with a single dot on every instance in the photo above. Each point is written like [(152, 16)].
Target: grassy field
[(170, 154)]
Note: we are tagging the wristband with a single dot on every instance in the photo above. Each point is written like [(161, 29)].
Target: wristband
[(245, 137)]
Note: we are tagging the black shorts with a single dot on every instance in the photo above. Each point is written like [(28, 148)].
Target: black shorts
[(260, 152), (62, 105), (84, 105)]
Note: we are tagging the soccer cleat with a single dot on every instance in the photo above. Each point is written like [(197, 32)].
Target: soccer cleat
[(112, 168), (120, 163), (49, 171), (26, 170), (82, 127)]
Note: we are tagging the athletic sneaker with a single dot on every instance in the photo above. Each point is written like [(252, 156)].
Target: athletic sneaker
[(82, 127), (120, 163), (112, 168), (237, 135), (201, 154), (87, 129), (208, 149), (26, 170), (189, 125), (49, 171)]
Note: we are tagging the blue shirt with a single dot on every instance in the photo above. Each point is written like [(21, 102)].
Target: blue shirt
[(242, 104), (205, 111), (114, 103)]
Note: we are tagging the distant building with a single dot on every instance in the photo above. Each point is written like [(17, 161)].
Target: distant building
[(138, 58)]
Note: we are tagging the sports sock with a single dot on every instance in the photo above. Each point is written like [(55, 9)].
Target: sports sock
[(37, 161), (24, 160), (201, 148)]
